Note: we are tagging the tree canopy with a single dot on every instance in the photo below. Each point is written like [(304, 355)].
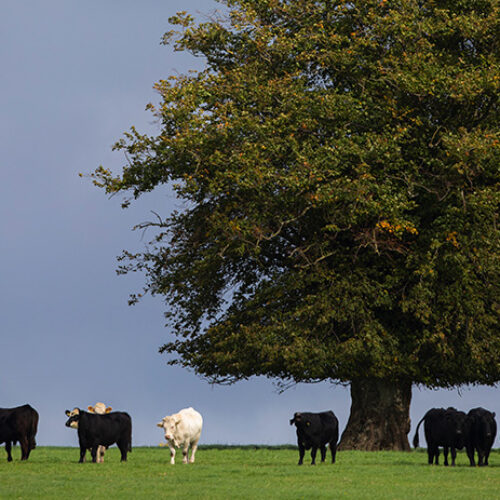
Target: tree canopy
[(339, 167)]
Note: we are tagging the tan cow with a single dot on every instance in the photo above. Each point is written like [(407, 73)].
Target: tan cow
[(182, 429), (100, 409)]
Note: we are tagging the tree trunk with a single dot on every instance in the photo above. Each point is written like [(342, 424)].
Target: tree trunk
[(380, 416)]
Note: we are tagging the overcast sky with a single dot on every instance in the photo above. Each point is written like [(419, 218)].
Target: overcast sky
[(74, 75)]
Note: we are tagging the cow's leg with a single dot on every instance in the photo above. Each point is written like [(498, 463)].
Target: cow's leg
[(185, 450), (123, 446), (453, 455), (172, 454), (194, 447), (322, 449), (470, 454), (24, 448), (302, 450), (433, 454), (93, 452), (480, 457), (100, 454), (313, 455), (445, 452), (83, 450), (8, 449), (333, 449)]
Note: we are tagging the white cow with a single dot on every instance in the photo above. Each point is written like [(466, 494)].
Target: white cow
[(182, 429), (100, 409)]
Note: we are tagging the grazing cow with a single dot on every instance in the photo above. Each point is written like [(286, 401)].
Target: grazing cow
[(100, 409), (105, 430), (446, 428), (316, 430), (481, 433), (18, 424), (182, 429)]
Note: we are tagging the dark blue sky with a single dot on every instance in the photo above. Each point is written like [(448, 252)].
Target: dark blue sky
[(74, 75)]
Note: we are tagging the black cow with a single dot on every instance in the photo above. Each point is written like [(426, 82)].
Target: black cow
[(481, 433), (316, 430), (446, 428), (18, 424), (105, 430)]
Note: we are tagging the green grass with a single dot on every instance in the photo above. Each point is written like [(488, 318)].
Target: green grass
[(244, 472)]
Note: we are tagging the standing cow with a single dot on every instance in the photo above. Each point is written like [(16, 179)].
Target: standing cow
[(18, 424), (316, 430), (446, 428), (481, 433), (182, 429), (100, 409), (105, 430)]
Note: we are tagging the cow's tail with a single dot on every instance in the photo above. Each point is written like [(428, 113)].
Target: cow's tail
[(33, 430), (415, 438), (130, 439)]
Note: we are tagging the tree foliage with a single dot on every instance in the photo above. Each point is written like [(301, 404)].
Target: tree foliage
[(339, 167)]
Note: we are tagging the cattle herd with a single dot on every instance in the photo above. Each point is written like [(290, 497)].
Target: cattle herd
[(100, 427)]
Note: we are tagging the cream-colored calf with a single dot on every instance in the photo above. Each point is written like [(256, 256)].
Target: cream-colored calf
[(182, 429)]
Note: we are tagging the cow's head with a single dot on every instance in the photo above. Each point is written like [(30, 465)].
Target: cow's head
[(299, 421), (490, 427), (457, 420), (99, 408), (297, 417), (169, 425), (484, 421), (73, 418)]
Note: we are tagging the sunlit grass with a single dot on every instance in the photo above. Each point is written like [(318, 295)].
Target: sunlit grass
[(246, 472)]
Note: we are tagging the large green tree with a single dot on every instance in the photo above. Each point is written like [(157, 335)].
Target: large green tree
[(339, 167)]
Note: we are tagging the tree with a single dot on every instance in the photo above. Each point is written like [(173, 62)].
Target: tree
[(339, 168)]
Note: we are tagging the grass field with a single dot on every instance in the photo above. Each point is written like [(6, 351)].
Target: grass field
[(244, 472)]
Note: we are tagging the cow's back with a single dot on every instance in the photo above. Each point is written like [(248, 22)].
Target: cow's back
[(107, 429), (330, 426), (190, 425), (434, 426), (440, 427), (18, 422)]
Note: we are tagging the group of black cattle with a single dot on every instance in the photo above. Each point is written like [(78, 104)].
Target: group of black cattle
[(20, 425), (449, 428)]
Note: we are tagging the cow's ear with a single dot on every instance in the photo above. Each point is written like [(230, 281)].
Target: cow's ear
[(90, 409), (159, 424), (108, 409), (67, 413), (177, 419)]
